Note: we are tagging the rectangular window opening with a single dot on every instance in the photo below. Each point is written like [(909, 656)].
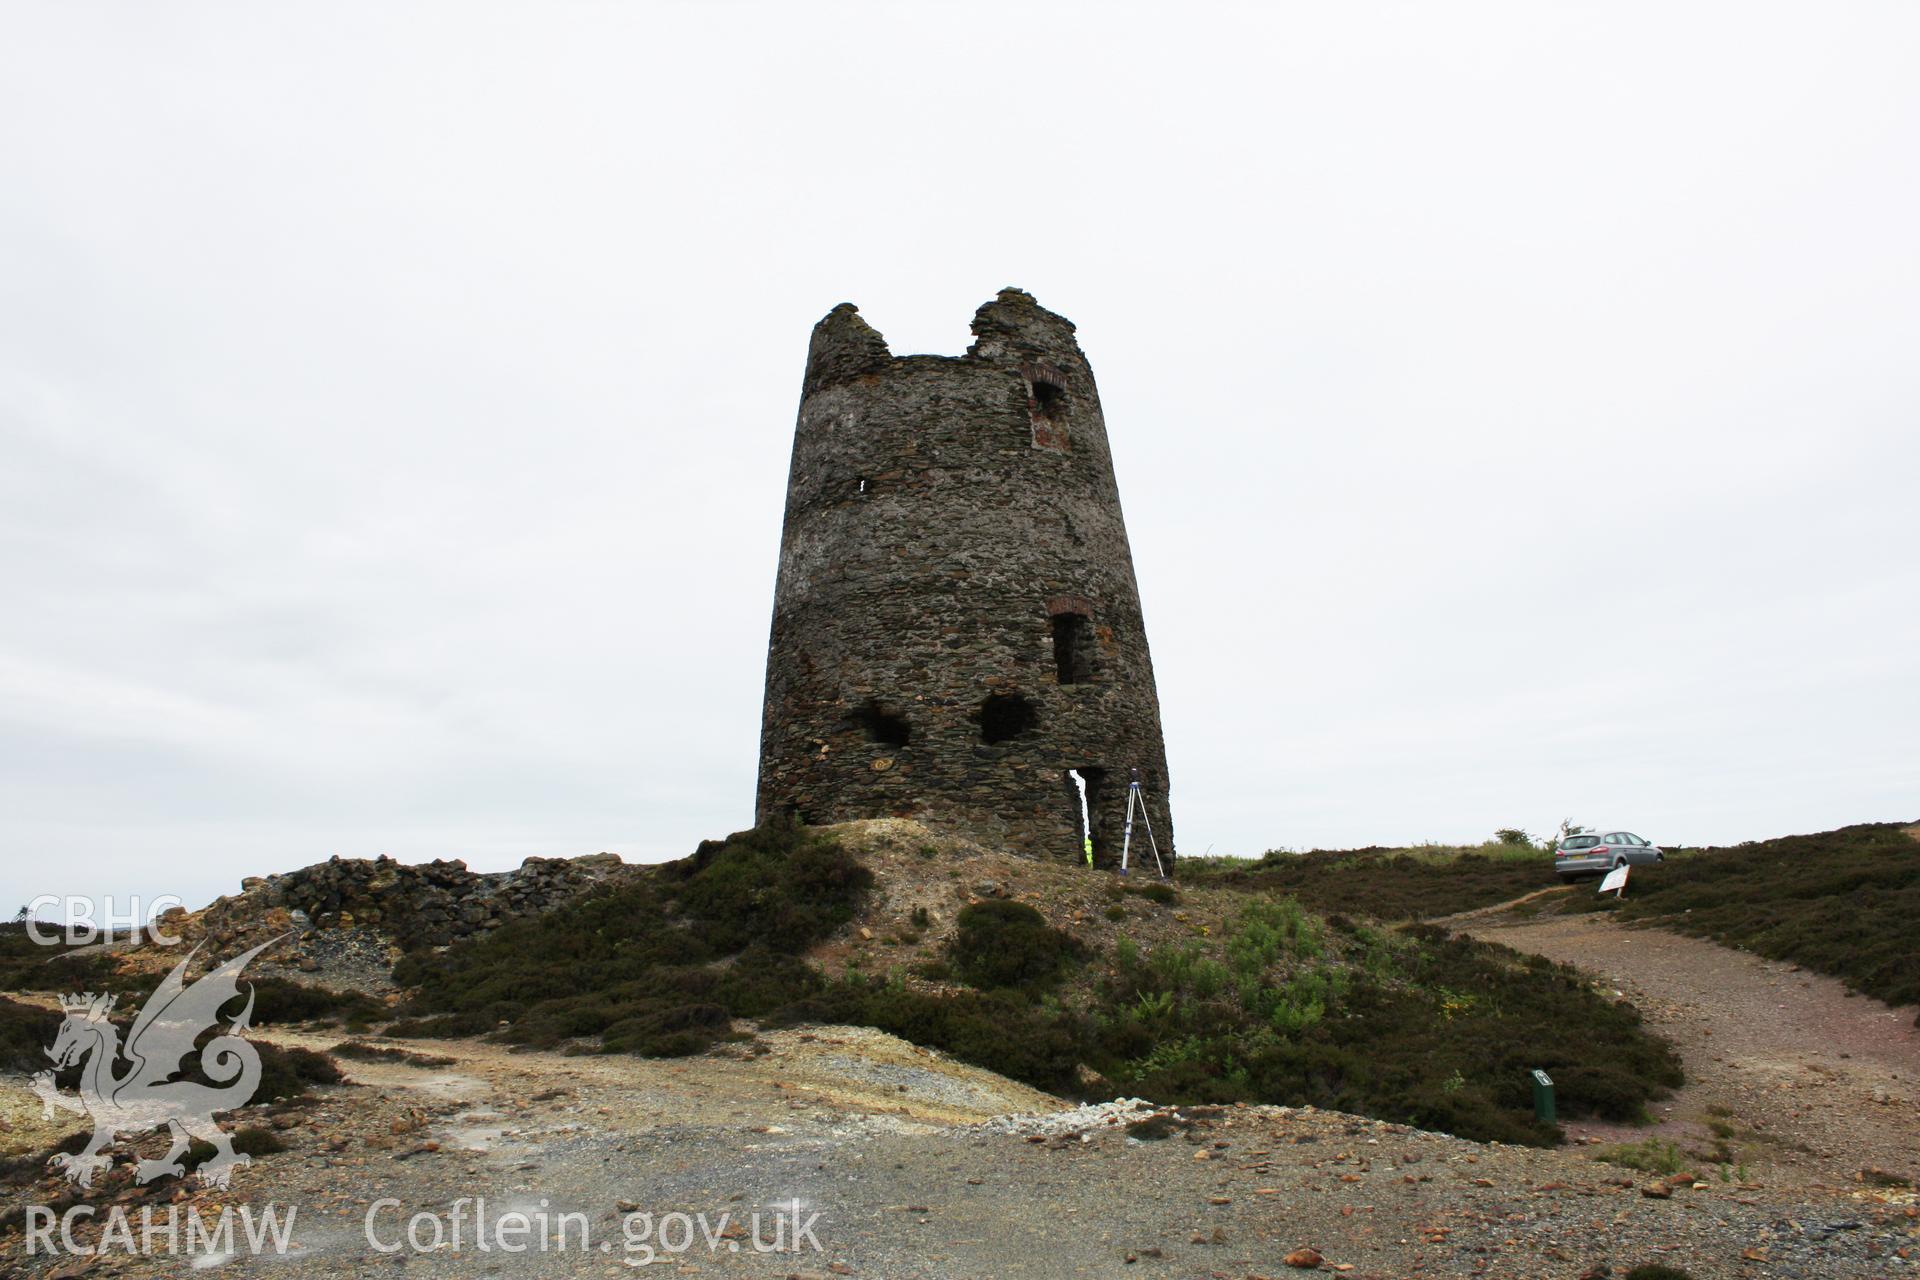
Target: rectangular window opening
[(1073, 647)]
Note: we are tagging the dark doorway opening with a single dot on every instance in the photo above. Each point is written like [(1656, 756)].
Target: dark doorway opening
[(1006, 715), (1073, 647), (881, 725)]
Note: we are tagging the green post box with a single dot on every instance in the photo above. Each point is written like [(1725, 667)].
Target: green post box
[(1543, 1098)]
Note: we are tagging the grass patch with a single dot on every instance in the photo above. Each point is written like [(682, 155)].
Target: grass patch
[(1154, 891), (1649, 1156), (659, 965), (1841, 902)]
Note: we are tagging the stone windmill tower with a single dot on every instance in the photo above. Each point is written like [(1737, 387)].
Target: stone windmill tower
[(956, 625)]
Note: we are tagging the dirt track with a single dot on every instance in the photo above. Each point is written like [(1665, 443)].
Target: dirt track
[(1815, 1084)]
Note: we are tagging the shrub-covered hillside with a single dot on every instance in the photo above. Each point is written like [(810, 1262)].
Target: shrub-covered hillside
[(1390, 884), (1232, 995)]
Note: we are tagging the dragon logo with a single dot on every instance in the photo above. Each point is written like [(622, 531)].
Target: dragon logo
[(145, 1095)]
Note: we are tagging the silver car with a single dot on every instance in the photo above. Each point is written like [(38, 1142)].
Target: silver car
[(1595, 855)]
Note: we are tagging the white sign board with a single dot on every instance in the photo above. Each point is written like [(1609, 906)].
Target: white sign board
[(1616, 881)]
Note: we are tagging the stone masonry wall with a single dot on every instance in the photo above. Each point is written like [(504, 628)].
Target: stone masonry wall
[(947, 518)]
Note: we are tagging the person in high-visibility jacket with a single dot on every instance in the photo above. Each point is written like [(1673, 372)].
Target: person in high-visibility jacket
[(1088, 841)]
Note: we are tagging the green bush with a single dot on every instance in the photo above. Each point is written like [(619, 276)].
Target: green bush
[(286, 1072), (30, 965), (1000, 943), (25, 1034), (276, 1000), (999, 1030)]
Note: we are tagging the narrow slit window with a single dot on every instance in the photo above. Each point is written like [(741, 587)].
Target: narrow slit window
[(1073, 647)]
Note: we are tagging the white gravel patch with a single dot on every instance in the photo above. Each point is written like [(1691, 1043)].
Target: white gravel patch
[(1087, 1118)]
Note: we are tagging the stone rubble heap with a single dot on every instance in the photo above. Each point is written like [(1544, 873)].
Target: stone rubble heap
[(429, 904)]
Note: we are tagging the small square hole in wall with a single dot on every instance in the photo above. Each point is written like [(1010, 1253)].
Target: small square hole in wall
[(1049, 399), (1004, 716), (881, 724)]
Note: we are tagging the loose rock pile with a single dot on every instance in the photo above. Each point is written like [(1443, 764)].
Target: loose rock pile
[(430, 904), (354, 916), (1092, 1116)]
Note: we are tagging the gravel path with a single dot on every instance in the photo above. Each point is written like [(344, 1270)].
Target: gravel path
[(1790, 1075)]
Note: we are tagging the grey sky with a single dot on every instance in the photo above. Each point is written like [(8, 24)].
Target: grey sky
[(1514, 405)]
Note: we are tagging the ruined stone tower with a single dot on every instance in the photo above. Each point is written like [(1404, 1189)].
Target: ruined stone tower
[(956, 624)]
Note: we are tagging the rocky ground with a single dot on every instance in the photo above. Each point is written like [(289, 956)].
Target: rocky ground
[(921, 1167)]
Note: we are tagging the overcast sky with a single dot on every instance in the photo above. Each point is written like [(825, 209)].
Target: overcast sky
[(1516, 406)]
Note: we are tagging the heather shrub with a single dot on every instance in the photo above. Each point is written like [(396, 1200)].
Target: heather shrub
[(1000, 943)]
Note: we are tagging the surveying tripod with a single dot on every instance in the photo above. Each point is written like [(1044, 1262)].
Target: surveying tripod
[(1137, 802)]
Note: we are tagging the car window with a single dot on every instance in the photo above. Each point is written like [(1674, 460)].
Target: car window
[(1633, 839), (1582, 842), (1613, 837)]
